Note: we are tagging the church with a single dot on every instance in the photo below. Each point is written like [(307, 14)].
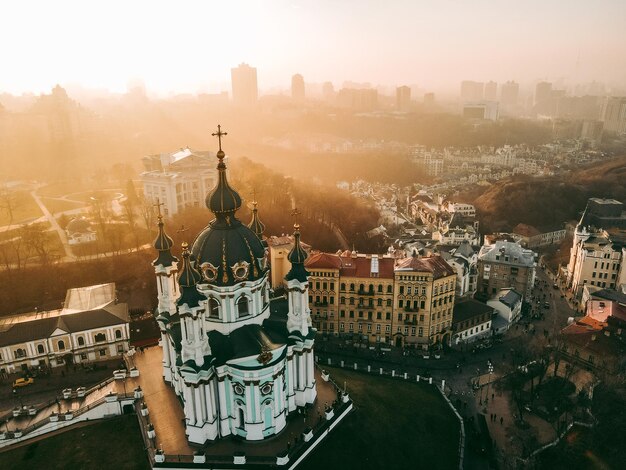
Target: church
[(239, 360)]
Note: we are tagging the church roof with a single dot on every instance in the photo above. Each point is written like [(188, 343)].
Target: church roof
[(297, 256), (227, 251), (255, 224), (163, 244), (188, 278)]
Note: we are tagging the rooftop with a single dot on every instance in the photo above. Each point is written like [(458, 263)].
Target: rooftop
[(506, 252), (469, 308)]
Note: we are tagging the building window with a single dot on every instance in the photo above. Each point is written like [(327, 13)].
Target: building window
[(118, 334), (40, 349), (420, 331), (100, 337), (61, 345), (214, 308), (341, 326), (242, 307), (81, 341), (377, 328), (83, 356), (102, 352)]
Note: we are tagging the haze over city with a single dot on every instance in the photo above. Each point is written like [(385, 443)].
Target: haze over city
[(307, 235), (191, 47)]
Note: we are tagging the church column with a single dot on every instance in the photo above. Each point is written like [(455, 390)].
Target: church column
[(256, 393), (224, 427), (310, 368), (165, 344), (211, 401), (278, 395), (188, 406), (301, 371), (199, 405)]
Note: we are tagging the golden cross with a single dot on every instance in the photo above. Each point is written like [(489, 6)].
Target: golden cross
[(182, 229), (219, 135), (295, 213), (158, 206)]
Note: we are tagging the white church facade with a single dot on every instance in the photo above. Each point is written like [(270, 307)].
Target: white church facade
[(239, 361)]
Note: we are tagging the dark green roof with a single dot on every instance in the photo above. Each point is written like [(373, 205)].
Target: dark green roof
[(163, 244), (223, 200), (255, 224), (188, 278), (224, 243), (297, 256)]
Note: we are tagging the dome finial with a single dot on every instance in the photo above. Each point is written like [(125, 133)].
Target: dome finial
[(223, 201), (219, 134)]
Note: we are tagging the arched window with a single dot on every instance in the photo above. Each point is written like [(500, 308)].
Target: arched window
[(40, 349), (242, 307), (61, 345), (389, 289), (100, 337), (81, 341), (343, 286), (380, 288), (371, 288), (214, 308), (118, 334), (351, 287)]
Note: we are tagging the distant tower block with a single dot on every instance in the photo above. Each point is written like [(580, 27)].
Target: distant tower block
[(244, 83), (297, 87)]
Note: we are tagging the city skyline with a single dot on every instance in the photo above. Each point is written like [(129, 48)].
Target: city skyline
[(433, 46)]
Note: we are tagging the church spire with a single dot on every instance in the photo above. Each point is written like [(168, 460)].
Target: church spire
[(163, 243), (188, 278), (223, 201), (297, 255), (255, 224)]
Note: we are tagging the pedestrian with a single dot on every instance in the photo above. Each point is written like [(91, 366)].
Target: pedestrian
[(492, 395), (501, 420)]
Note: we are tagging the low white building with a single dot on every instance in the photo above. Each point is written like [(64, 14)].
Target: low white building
[(70, 335), (471, 320), (79, 230), (508, 305)]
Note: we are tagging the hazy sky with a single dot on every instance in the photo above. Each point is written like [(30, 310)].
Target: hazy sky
[(186, 46)]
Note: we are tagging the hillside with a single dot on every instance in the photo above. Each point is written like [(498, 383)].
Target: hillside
[(547, 203)]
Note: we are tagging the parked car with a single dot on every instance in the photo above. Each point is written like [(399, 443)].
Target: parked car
[(21, 382)]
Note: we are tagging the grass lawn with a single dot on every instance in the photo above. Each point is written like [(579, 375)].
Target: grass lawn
[(59, 205), (109, 444), (24, 209), (395, 425)]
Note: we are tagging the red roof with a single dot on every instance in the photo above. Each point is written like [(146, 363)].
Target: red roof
[(320, 260), (361, 266), (433, 264)]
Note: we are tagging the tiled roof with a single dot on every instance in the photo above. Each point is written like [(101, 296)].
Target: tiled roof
[(361, 266), (42, 328), (510, 298), (322, 260), (433, 264)]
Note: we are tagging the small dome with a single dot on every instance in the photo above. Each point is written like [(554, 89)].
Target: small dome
[(255, 224)]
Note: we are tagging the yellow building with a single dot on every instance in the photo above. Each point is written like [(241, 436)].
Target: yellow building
[(278, 248), (379, 299), (424, 291)]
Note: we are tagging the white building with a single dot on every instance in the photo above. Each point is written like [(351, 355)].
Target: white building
[(471, 321), (179, 179), (91, 327), (240, 362), (79, 230), (508, 304)]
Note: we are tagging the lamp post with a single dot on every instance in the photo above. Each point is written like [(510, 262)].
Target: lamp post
[(490, 367)]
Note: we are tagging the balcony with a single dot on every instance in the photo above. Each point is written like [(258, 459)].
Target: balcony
[(411, 309), (410, 322), (320, 304), (365, 292)]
